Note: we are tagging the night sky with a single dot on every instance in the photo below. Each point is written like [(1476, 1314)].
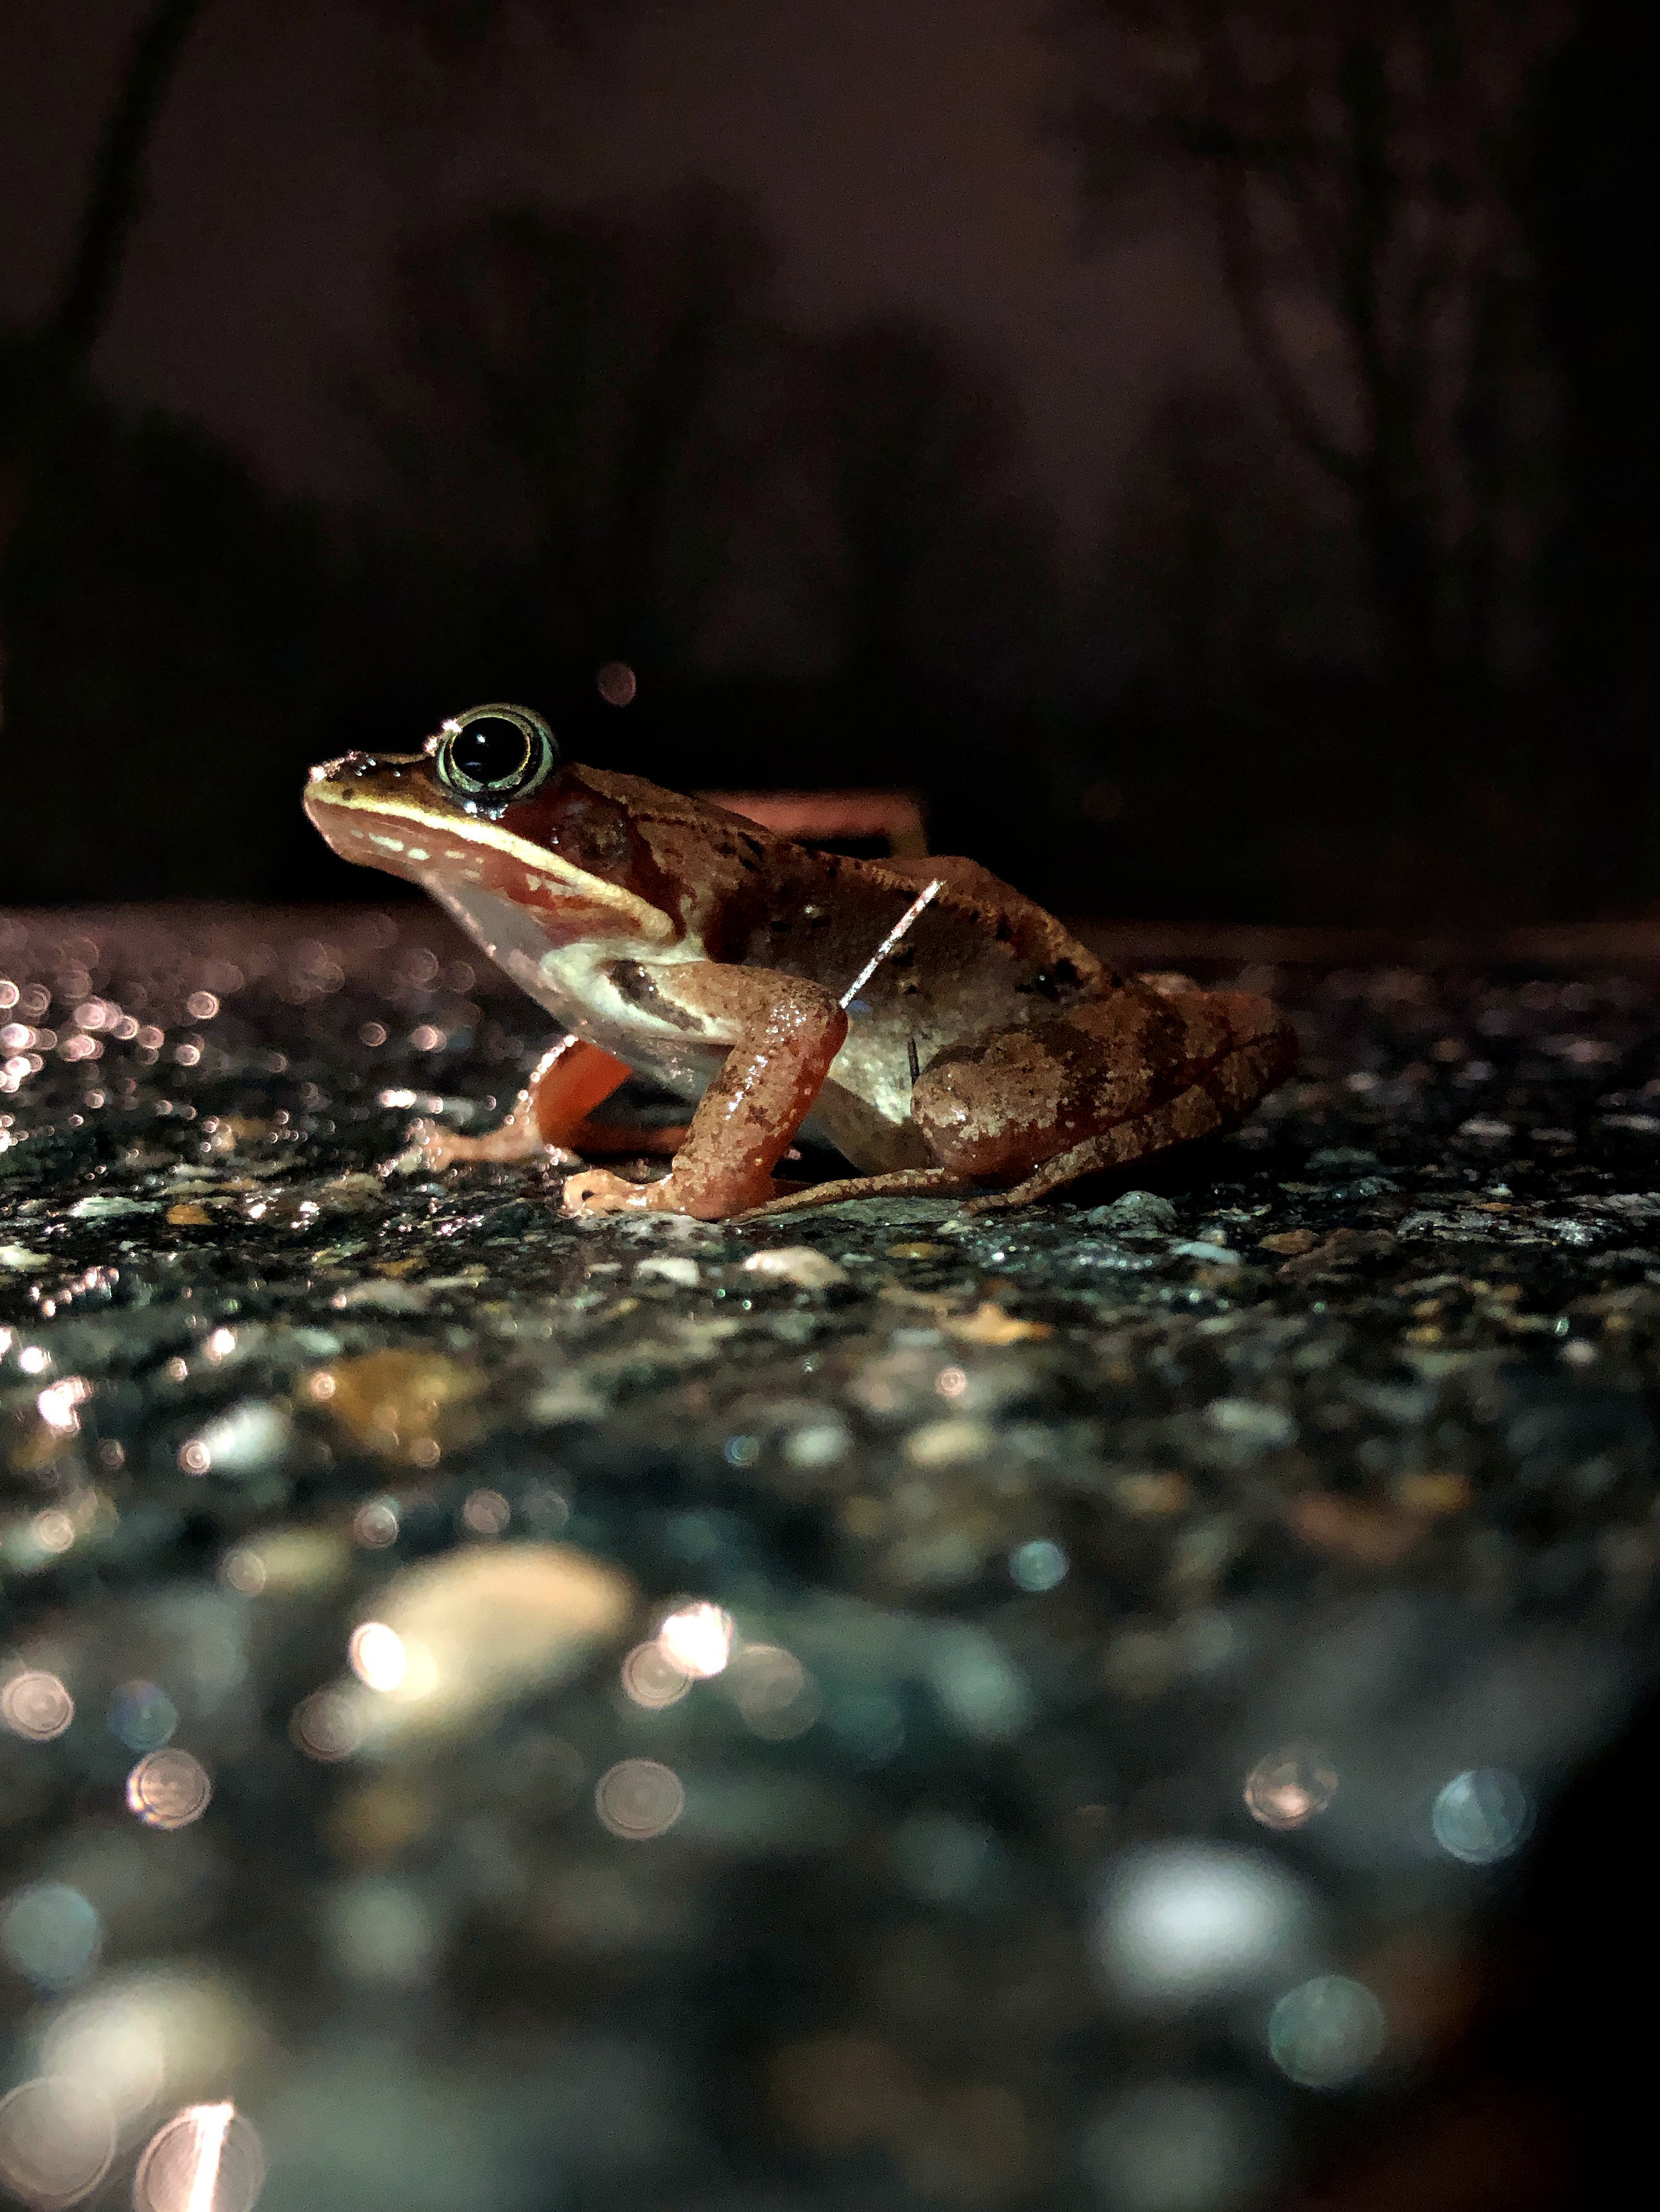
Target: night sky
[(805, 512), (898, 153)]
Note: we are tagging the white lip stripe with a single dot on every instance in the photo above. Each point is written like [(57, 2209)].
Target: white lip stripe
[(648, 921), (892, 938)]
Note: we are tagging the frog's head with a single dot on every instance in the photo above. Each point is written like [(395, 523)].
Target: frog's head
[(488, 806)]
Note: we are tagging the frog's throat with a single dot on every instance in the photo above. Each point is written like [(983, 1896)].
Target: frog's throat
[(640, 920)]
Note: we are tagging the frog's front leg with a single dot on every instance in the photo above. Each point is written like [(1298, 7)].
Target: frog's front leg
[(550, 1117), (780, 1033)]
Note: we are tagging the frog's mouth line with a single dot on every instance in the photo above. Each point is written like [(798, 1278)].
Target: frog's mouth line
[(546, 871)]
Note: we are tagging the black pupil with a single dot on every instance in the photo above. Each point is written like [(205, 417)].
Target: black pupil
[(490, 750)]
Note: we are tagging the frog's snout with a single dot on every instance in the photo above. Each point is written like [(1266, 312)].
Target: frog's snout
[(351, 766)]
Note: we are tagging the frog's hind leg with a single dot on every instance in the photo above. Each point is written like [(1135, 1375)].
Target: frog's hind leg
[(932, 1182), (550, 1117)]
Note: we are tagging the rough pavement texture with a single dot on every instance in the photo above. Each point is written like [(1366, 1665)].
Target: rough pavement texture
[(1321, 1456)]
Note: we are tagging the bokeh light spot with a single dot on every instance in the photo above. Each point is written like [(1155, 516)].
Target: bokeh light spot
[(773, 1690), (1326, 2031), (141, 1715), (207, 2158), (1184, 1923), (35, 1705), (651, 1678), (374, 1525), (57, 2142), (53, 1530), (378, 1656), (697, 1640), (1480, 1816), (639, 1798), (51, 1934), (1180, 2146), (326, 1726), (57, 1404), (1039, 1566), (169, 1789), (487, 1513), (1288, 1789), (113, 2043)]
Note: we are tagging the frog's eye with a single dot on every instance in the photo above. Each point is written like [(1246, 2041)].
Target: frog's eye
[(494, 753)]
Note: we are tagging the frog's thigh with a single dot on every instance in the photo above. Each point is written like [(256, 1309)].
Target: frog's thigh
[(1126, 1074), (994, 1106), (1192, 1113), (1226, 1089)]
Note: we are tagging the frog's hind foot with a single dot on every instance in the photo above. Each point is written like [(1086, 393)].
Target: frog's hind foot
[(931, 1182)]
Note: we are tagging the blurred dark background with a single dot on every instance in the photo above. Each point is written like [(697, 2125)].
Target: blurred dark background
[(1206, 448)]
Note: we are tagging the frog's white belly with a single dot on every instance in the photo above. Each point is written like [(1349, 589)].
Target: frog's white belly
[(863, 1110)]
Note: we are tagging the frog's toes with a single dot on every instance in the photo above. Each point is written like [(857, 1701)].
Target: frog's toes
[(434, 1146)]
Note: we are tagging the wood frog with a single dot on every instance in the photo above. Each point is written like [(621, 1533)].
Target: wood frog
[(986, 1051)]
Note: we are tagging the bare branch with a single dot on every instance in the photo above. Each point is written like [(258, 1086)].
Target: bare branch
[(1247, 290), (1359, 145), (117, 187)]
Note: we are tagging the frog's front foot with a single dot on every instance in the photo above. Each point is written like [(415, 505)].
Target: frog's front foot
[(597, 1190)]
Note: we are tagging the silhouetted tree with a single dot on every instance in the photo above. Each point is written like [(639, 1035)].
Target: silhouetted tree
[(944, 558), (45, 374), (168, 669), (1226, 569), (1354, 155), (576, 404), (48, 368), (1592, 201), (462, 34)]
